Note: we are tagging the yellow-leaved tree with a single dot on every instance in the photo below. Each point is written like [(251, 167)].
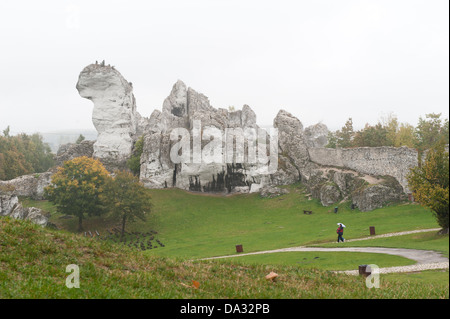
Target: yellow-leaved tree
[(76, 188)]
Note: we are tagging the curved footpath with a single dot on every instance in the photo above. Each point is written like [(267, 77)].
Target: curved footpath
[(426, 259)]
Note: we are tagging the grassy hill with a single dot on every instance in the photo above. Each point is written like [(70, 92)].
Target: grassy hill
[(193, 226), (198, 225), (33, 261)]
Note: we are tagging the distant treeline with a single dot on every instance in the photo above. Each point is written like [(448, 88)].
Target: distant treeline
[(389, 132), (23, 154)]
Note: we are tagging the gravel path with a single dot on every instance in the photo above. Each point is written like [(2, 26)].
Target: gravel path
[(425, 259), (395, 234)]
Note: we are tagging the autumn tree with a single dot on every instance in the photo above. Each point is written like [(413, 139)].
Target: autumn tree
[(405, 136), (126, 198), (431, 131), (430, 183), (23, 154), (76, 188), (390, 132)]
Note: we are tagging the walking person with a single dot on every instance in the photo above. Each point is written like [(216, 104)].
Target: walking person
[(340, 232)]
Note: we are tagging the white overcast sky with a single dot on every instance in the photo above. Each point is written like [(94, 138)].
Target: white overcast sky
[(322, 60)]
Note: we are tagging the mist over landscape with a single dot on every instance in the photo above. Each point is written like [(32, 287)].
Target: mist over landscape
[(224, 158)]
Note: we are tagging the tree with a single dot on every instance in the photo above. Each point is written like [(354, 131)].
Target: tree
[(430, 183), (12, 161), (76, 188), (6, 131), (343, 137), (332, 140), (405, 136), (80, 139), (134, 163), (127, 198), (23, 154), (431, 131), (371, 136), (391, 125)]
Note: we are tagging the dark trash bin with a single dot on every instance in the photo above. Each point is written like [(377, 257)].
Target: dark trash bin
[(239, 249), (364, 270)]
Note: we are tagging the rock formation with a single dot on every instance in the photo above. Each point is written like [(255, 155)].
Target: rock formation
[(10, 206), (316, 135), (114, 116), (187, 130), (28, 185), (190, 112), (69, 151)]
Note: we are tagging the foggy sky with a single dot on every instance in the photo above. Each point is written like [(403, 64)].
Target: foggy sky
[(322, 60)]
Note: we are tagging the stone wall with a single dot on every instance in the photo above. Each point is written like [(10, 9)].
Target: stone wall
[(382, 161)]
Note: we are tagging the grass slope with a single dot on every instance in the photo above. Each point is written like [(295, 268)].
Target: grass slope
[(194, 226), (33, 261)]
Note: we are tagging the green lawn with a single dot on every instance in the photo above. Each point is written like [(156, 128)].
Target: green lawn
[(199, 226), (33, 263), (323, 260), (194, 226)]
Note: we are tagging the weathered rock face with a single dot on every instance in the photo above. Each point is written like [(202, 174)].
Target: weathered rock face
[(377, 196), (28, 185), (189, 111), (70, 151), (329, 194), (316, 135), (332, 185), (114, 116), (331, 175), (293, 157), (272, 191), (10, 206)]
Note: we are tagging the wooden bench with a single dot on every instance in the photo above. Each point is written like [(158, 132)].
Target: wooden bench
[(307, 212)]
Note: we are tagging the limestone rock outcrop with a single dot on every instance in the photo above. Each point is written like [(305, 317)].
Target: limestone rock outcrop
[(69, 151), (114, 116), (189, 111), (10, 206), (188, 129), (316, 135), (378, 195), (28, 185), (269, 191), (292, 149)]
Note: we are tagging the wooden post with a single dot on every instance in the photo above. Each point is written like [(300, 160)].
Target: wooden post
[(372, 230)]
